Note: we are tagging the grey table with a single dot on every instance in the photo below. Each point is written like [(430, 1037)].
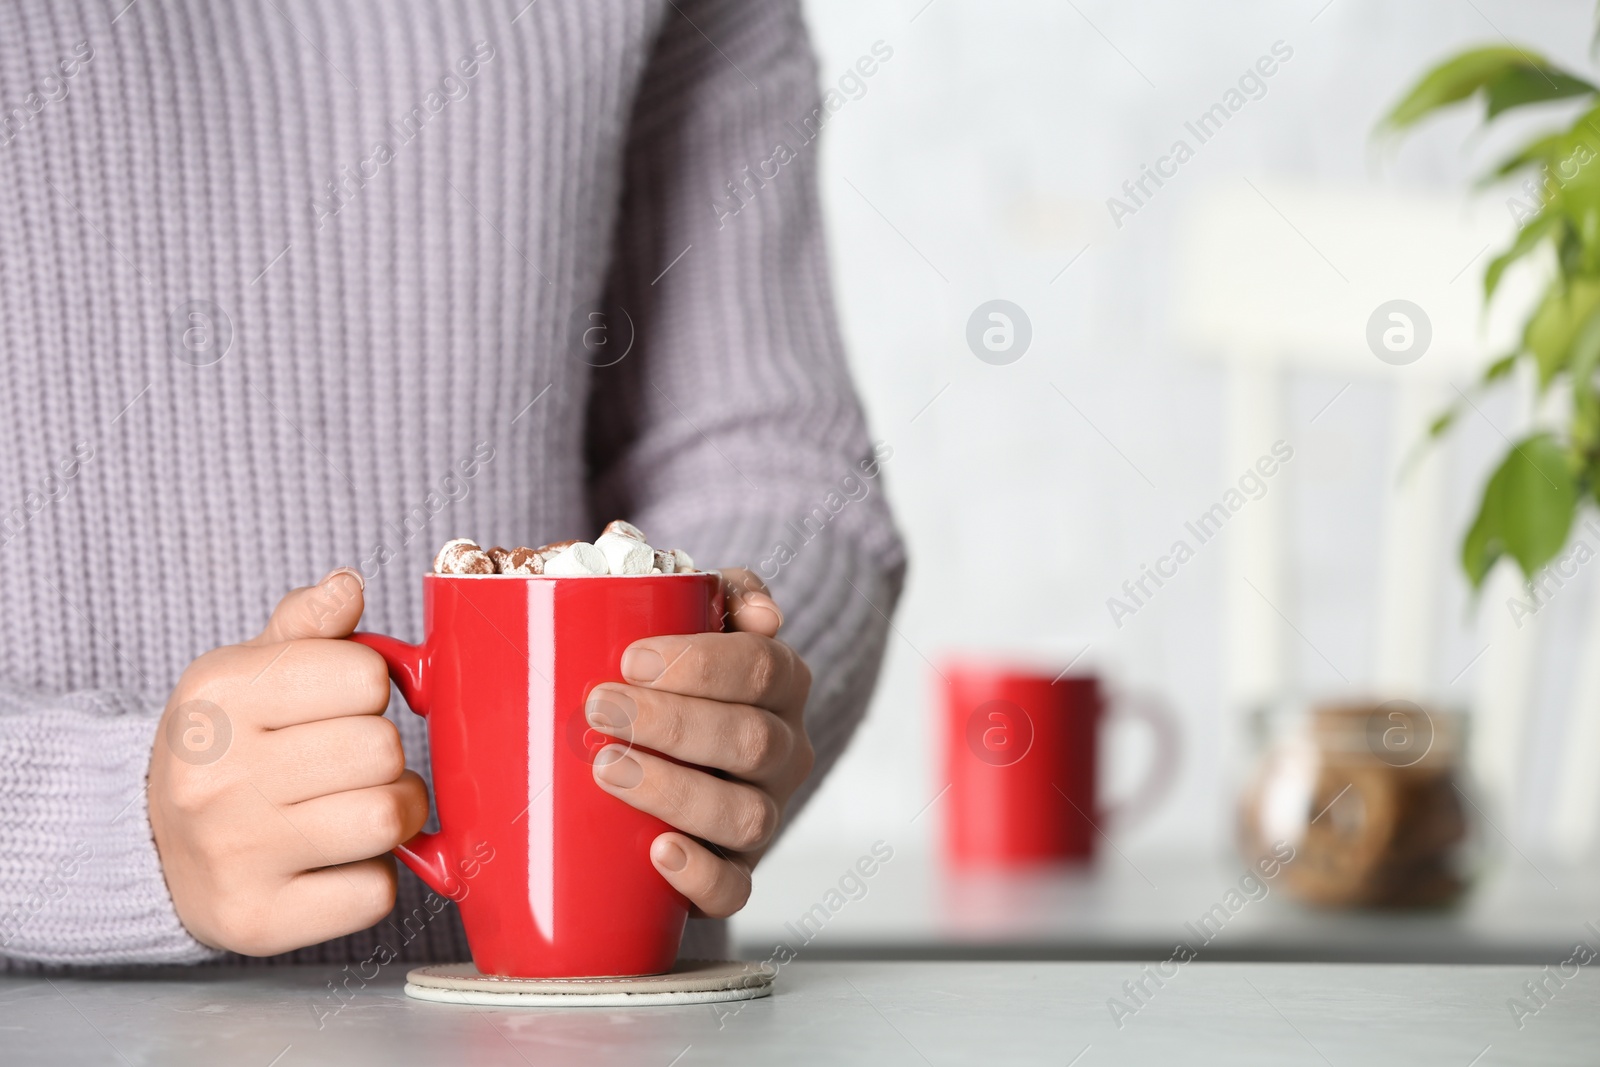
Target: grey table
[(1528, 909), (882, 1014)]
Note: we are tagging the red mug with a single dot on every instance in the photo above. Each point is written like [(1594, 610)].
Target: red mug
[(1022, 759), (552, 874)]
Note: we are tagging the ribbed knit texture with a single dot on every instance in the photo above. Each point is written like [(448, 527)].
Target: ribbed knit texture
[(381, 330)]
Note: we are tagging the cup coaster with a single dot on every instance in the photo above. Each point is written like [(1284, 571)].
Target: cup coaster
[(690, 982)]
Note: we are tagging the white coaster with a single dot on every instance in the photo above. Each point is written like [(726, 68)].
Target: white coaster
[(690, 982)]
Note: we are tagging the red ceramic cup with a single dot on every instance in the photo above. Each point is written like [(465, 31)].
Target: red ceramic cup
[(1022, 756), (552, 874)]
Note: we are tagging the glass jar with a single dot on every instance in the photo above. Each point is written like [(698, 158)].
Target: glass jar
[(1372, 799)]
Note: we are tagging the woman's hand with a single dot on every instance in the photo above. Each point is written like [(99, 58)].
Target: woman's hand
[(277, 787), (733, 705)]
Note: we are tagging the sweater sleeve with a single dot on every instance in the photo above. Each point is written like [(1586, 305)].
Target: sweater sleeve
[(731, 427), (80, 881)]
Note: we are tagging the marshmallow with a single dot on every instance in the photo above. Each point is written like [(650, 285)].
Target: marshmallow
[(576, 560), (552, 550), (623, 529), (625, 555), (519, 561), (462, 556), (620, 550)]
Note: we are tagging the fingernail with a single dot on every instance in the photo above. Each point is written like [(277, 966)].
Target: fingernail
[(642, 664), (762, 602), (351, 571), (608, 710), (612, 764), (669, 855)]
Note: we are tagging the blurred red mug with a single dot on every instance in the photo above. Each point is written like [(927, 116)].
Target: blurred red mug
[(1022, 756), (552, 874)]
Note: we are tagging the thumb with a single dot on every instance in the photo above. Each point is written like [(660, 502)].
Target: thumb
[(750, 608), (331, 608)]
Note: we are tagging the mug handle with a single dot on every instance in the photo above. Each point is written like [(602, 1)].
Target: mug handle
[(426, 854), (1158, 782)]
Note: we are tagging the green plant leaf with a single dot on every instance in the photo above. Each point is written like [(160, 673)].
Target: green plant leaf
[(1585, 215), (1551, 333), (1563, 157), (1523, 85), (1530, 501), (1499, 368), (1570, 253), (1584, 428), (1585, 350), (1463, 75), (1541, 150), (1527, 510), (1528, 238)]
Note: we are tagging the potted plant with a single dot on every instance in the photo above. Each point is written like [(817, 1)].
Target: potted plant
[(1530, 501)]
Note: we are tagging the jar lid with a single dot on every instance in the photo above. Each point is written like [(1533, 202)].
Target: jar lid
[(1399, 733)]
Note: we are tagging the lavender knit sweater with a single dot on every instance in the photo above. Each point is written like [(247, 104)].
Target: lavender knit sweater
[(275, 275)]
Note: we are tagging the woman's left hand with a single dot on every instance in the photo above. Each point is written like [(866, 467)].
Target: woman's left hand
[(732, 703)]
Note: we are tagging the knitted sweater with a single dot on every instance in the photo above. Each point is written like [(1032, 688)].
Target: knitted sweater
[(274, 276)]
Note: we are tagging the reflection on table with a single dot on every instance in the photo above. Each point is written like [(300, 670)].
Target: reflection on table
[(1524, 910)]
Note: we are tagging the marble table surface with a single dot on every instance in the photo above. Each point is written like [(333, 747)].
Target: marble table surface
[(833, 1012)]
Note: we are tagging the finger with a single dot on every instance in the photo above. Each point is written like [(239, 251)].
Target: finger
[(747, 742), (717, 885), (321, 905), (333, 756), (331, 608), (751, 608), (739, 668), (307, 681), (358, 824), (731, 814)]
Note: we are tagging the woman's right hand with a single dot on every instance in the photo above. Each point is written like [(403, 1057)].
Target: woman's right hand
[(277, 787)]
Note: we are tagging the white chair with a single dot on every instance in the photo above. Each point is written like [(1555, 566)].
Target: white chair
[(1276, 278)]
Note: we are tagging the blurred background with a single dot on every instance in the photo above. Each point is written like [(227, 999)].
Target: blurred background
[(1173, 341)]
